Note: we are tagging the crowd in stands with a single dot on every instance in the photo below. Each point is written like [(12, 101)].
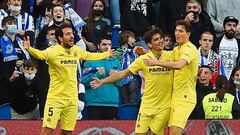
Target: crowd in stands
[(24, 81)]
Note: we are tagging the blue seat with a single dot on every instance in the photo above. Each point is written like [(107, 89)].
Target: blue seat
[(5, 112), (128, 111)]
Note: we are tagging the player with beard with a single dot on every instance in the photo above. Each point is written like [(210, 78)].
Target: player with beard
[(97, 25), (156, 99), (227, 46), (62, 98)]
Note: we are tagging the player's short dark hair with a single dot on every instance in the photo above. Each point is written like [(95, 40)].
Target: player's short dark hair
[(150, 33), (187, 25), (106, 37), (59, 31)]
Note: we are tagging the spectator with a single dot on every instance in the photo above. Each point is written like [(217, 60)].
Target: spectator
[(12, 54), (234, 83), (102, 103), (234, 87), (58, 20), (71, 16), (42, 14), (220, 105), (199, 19), (207, 56), (126, 55), (203, 88), (51, 36), (168, 42), (219, 9), (24, 92), (227, 46), (24, 21), (97, 25)]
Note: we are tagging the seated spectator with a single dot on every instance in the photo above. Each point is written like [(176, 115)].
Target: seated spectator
[(199, 19), (24, 92), (203, 88), (228, 46), (126, 55), (220, 105), (102, 103), (97, 25), (24, 21), (12, 54), (168, 42), (207, 56)]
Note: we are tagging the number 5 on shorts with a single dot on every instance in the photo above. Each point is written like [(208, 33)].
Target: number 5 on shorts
[(50, 111)]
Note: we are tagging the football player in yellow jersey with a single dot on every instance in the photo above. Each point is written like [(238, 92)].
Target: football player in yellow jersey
[(155, 106), (185, 63), (62, 98)]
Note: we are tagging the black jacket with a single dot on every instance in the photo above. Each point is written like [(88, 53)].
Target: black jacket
[(23, 97)]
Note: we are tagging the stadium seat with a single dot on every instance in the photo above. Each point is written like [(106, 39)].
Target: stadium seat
[(5, 112), (128, 111)]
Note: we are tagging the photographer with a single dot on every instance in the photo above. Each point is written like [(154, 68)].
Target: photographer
[(199, 19)]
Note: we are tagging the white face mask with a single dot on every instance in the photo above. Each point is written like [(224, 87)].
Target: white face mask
[(236, 82), (29, 76), (15, 8)]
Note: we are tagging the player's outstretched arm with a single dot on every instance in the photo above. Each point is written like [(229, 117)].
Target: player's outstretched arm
[(96, 83), (34, 52)]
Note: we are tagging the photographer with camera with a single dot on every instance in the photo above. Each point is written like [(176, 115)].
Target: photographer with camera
[(199, 19)]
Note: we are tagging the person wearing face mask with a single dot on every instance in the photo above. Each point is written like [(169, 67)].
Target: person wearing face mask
[(97, 25), (24, 21), (199, 19), (234, 83), (25, 91), (12, 54), (228, 46), (126, 55)]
